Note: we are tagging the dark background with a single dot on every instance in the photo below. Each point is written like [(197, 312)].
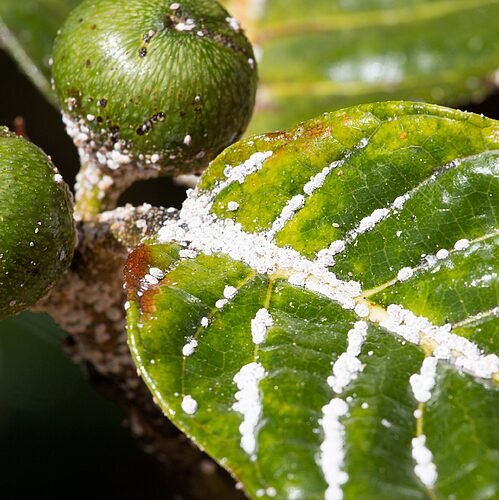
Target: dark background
[(58, 437)]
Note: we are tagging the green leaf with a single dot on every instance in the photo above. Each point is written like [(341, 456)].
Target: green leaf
[(27, 31), (321, 316), (326, 54)]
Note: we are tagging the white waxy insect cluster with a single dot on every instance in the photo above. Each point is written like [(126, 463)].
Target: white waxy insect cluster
[(425, 469), (442, 254), (240, 172), (317, 181), (189, 405), (368, 223), (461, 244), (249, 404), (190, 347), (260, 324), (332, 455), (453, 348), (229, 293), (287, 213), (326, 256), (422, 383), (348, 366), (189, 25), (405, 273), (345, 369)]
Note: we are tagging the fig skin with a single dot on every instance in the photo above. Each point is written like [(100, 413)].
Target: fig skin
[(160, 84), (37, 233)]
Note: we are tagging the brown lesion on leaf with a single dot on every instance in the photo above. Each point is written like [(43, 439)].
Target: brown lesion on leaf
[(136, 268)]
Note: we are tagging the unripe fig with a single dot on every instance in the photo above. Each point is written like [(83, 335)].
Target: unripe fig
[(37, 232), (161, 84)]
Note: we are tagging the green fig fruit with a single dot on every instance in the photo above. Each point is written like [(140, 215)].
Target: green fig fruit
[(161, 84), (37, 233)]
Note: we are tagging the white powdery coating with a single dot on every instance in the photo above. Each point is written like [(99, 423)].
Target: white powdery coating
[(232, 206), (230, 292), (189, 347), (423, 382), (260, 324), (240, 172), (425, 469), (462, 244), (453, 348), (405, 273), (205, 321), (249, 404), (347, 367), (332, 454), (189, 405), (287, 213)]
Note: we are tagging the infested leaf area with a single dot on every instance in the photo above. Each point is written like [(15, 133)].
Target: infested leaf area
[(301, 383), (322, 316)]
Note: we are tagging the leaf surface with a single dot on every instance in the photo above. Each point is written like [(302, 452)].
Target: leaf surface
[(322, 315), (329, 54)]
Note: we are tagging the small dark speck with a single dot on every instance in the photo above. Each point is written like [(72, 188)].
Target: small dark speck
[(99, 119), (142, 52), (88, 63), (115, 132), (102, 103), (80, 20), (94, 26)]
